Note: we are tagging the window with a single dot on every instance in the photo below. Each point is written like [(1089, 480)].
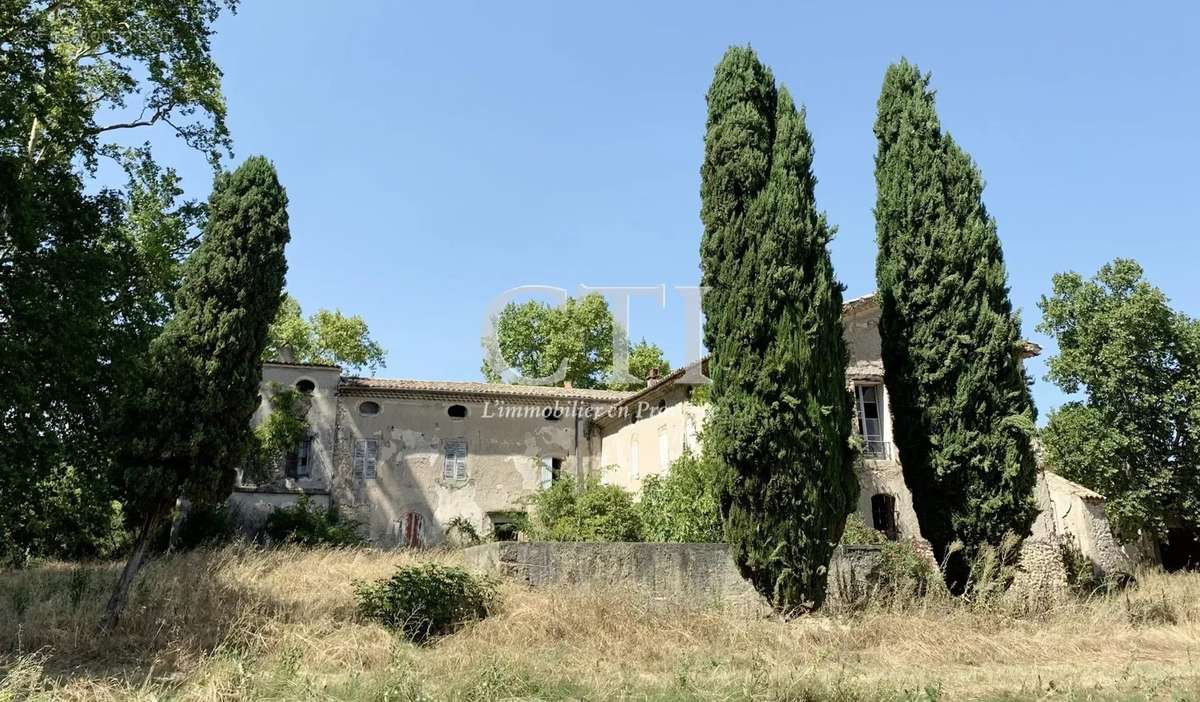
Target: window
[(551, 471), (662, 406), (634, 471), (457, 411), (553, 414), (366, 455), (883, 515), (870, 419), (664, 450), (455, 465), (506, 525), (298, 462), (369, 408), (306, 386)]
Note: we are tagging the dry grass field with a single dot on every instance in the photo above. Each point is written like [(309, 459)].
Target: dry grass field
[(244, 624)]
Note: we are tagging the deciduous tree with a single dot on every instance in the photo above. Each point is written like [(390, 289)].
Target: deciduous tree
[(326, 337), (1135, 434)]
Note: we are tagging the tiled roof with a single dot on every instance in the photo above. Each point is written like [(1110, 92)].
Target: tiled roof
[(500, 390), (289, 364)]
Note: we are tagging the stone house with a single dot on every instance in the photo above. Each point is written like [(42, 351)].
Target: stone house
[(406, 457)]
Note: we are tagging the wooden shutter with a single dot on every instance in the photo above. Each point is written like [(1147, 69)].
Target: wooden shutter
[(454, 467), (359, 458), (547, 472), (371, 451)]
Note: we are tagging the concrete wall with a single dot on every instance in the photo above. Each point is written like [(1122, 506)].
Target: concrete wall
[(679, 422), (503, 463)]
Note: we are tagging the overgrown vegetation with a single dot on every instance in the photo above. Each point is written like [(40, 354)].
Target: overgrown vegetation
[(1135, 435), (278, 434), (586, 511), (903, 573), (685, 504), (780, 415), (963, 417), (307, 524), (426, 601), (238, 623)]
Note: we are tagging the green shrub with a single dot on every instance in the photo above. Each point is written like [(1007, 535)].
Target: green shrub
[(204, 525), (587, 512), (461, 532), (306, 524), (1082, 575), (426, 601), (683, 506), (905, 571), (857, 533), (993, 569)]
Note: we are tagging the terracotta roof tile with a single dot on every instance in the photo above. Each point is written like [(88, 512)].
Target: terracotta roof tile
[(439, 387)]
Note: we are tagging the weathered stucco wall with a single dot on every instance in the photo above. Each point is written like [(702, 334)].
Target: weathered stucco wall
[(678, 421), (503, 463), (253, 507), (322, 414)]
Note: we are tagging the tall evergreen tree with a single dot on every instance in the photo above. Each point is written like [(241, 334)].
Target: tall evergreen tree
[(188, 429), (961, 408), (780, 420)]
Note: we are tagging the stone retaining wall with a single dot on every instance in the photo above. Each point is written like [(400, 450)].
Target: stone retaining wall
[(701, 573)]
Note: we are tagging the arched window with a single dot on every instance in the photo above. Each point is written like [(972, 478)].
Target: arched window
[(306, 386), (552, 414), (883, 515), (457, 411), (369, 408)]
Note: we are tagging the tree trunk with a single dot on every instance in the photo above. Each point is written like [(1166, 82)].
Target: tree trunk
[(116, 603)]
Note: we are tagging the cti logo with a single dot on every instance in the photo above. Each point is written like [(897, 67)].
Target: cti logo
[(621, 295)]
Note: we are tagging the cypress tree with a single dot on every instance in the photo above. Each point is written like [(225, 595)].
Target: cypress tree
[(780, 421), (187, 429), (961, 408)]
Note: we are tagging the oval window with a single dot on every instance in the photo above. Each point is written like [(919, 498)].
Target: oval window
[(457, 411), (368, 408), (306, 386), (552, 414)]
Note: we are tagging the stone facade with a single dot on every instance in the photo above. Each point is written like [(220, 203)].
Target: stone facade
[(406, 457)]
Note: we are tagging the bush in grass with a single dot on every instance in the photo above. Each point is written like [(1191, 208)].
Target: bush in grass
[(308, 525), (857, 533), (426, 601), (587, 511)]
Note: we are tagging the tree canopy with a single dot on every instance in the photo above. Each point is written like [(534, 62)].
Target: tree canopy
[(537, 339), (780, 413), (1135, 434), (961, 408), (328, 337)]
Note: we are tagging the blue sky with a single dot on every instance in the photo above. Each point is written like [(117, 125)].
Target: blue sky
[(437, 154)]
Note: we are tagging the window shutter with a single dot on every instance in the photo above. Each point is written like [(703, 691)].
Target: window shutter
[(462, 460), (455, 465), (547, 472), (448, 466), (359, 458), (372, 457)]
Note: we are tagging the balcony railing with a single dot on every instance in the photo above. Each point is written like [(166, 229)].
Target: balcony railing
[(876, 449)]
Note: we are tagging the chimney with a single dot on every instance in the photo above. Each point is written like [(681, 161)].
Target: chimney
[(652, 377), (567, 384)]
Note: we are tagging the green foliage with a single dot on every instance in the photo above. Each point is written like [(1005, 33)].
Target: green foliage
[(326, 337), (461, 531), (589, 511), (309, 525), (427, 601), (683, 506), (857, 533), (780, 414), (1135, 437), (904, 571), (77, 72), (279, 433), (961, 408), (538, 341), (203, 526), (1083, 577)]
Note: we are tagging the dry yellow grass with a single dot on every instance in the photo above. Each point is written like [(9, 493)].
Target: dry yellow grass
[(239, 623)]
